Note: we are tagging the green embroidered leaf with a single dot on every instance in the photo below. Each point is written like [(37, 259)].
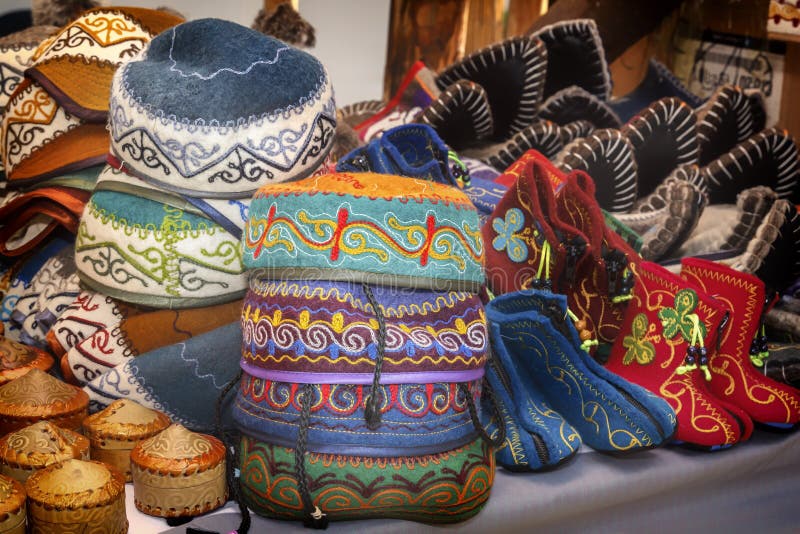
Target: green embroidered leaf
[(639, 348), (677, 318)]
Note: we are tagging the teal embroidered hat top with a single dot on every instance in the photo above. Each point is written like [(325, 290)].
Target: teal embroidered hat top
[(214, 109), (366, 227)]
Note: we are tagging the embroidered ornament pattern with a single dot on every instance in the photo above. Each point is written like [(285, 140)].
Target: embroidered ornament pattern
[(438, 488), (637, 345), (508, 237), (33, 119), (334, 226), (415, 418), (182, 255)]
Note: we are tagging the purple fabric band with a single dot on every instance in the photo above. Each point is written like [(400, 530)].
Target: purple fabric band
[(362, 378)]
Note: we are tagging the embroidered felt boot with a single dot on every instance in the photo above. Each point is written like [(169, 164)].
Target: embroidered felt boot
[(602, 281), (537, 437), (554, 307), (734, 375), (608, 418), (664, 346), (527, 245)]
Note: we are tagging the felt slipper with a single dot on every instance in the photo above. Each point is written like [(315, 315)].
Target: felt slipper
[(609, 158), (543, 136), (575, 56), (768, 158), (659, 82), (607, 417), (670, 330), (575, 103), (664, 137), (512, 73), (537, 437), (725, 227), (461, 115), (726, 119)]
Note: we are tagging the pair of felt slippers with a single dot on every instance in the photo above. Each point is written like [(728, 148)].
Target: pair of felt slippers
[(554, 396)]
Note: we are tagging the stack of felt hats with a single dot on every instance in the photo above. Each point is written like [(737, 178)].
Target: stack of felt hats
[(363, 352), (192, 136), (54, 139)]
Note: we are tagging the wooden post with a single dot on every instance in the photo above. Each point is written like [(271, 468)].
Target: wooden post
[(522, 14), (431, 31), (621, 22), (484, 23), (270, 5)]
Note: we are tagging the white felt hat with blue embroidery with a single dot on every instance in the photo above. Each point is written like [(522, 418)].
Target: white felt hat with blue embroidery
[(214, 109)]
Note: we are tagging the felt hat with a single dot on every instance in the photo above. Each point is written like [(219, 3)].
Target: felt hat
[(444, 487), (76, 65), (20, 284), (29, 218), (431, 342), (431, 336), (196, 120), (15, 57), (42, 140), (140, 333), (156, 254), (86, 314), (54, 286), (416, 419), (177, 380), (366, 227)]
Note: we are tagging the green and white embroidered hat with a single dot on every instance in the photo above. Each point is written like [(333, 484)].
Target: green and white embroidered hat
[(161, 253)]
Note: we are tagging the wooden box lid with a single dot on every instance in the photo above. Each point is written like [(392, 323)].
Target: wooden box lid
[(124, 420), (17, 359), (37, 446), (38, 396)]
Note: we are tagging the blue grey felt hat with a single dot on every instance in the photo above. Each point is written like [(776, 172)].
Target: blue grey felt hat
[(214, 109)]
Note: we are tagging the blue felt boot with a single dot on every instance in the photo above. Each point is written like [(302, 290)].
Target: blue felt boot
[(611, 414), (537, 437)]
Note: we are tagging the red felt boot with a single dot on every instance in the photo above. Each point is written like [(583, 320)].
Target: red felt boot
[(526, 244), (734, 377), (601, 284), (668, 335)]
